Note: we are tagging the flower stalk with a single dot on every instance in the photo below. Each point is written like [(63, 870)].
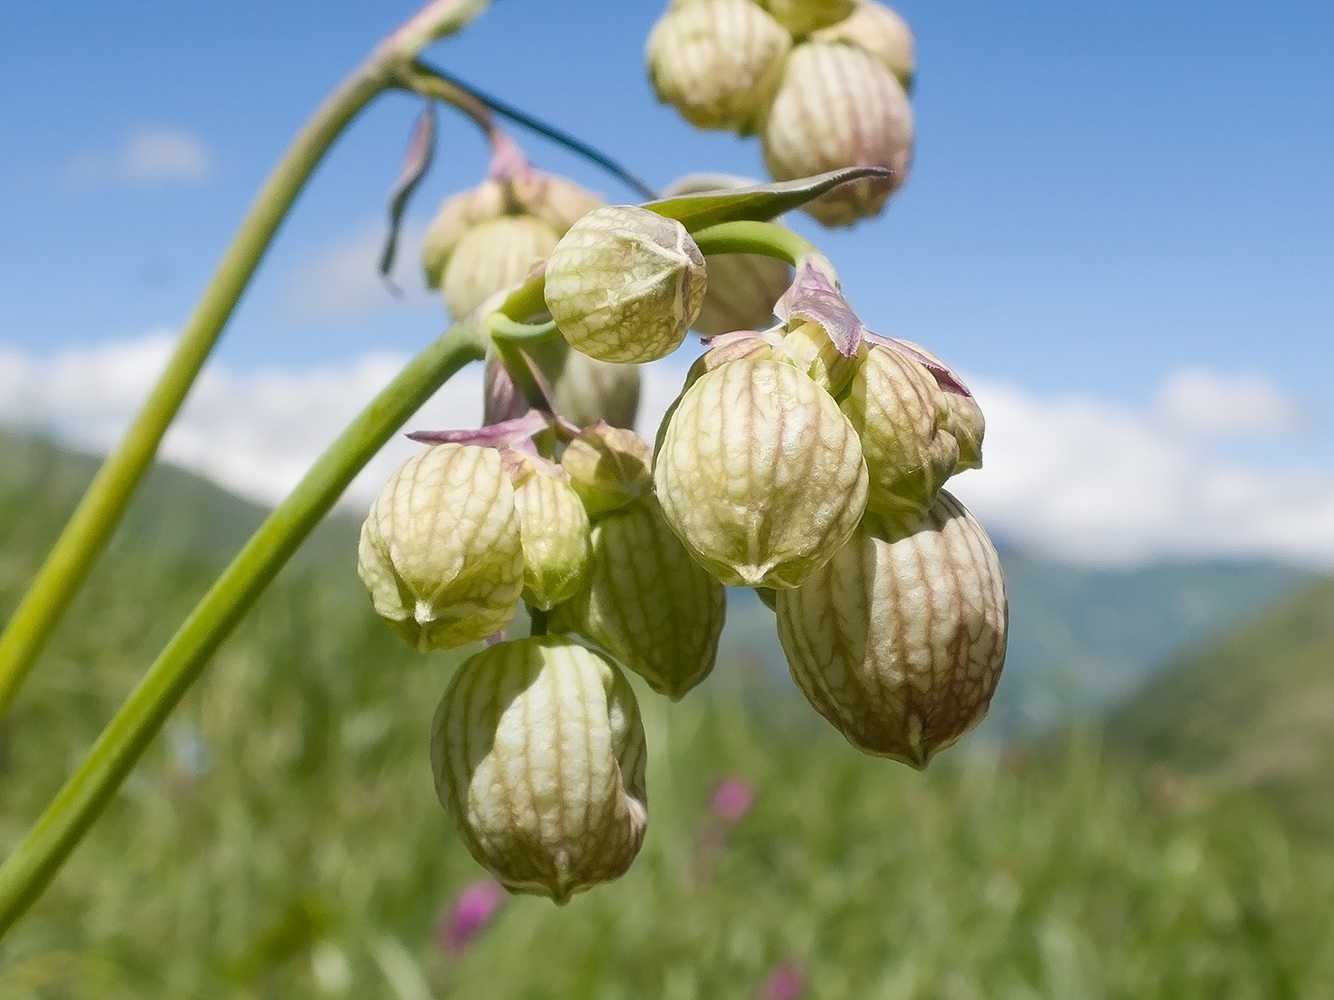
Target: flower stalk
[(46, 846)]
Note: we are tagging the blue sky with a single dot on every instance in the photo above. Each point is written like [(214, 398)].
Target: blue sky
[(1105, 198)]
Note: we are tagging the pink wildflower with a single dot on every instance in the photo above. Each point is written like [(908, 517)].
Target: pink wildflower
[(732, 800), (471, 912), (785, 983)]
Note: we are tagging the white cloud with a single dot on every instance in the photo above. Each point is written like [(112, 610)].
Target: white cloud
[(342, 283), (255, 433), (1101, 484), (148, 156), (1076, 478), (1211, 403)]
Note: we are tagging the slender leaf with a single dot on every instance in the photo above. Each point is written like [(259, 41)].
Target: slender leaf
[(759, 203)]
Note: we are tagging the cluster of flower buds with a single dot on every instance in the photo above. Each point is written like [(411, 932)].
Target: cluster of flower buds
[(805, 460), (824, 82), (487, 238)]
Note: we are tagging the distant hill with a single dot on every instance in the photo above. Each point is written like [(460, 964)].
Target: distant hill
[(1081, 638), (1254, 707)]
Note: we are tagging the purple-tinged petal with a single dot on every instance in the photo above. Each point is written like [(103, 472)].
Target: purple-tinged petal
[(505, 434), (945, 378), (815, 297)]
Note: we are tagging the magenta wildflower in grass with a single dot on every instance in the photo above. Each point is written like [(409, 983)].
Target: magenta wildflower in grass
[(471, 912), (733, 800), (785, 983)]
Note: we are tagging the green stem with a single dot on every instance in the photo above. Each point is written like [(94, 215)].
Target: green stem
[(95, 519), (39, 856), (767, 238)]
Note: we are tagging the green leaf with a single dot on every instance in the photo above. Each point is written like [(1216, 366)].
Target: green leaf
[(759, 203)]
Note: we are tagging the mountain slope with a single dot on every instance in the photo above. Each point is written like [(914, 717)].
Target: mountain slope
[(1255, 707)]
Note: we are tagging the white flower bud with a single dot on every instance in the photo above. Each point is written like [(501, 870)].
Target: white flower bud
[(647, 603), (881, 32), (440, 550), (625, 284), (458, 213), (801, 17), (717, 62), (609, 468), (837, 106), (899, 639), (538, 754), (902, 418), (584, 390), (493, 255), (553, 528), (760, 474)]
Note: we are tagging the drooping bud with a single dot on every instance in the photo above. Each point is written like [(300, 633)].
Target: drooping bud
[(837, 106), (760, 474), (553, 528), (493, 255), (584, 390), (965, 420), (625, 284), (486, 239), (881, 32), (801, 17), (717, 62), (901, 415), (900, 638), (440, 550), (647, 603), (458, 213), (609, 468), (538, 754), (743, 287)]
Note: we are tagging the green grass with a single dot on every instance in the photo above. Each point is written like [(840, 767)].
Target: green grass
[(309, 857)]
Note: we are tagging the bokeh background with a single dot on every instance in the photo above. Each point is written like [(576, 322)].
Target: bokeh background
[(1117, 228)]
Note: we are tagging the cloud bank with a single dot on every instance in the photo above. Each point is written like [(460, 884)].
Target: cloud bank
[(1072, 477), (148, 156)]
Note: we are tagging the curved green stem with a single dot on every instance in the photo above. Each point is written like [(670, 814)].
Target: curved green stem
[(767, 238), (39, 856), (103, 505), (91, 526)]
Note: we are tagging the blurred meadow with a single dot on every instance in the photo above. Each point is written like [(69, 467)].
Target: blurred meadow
[(282, 838)]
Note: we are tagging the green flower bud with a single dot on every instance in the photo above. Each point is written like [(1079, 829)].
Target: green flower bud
[(584, 390), (717, 62), (609, 468), (837, 106), (760, 474), (553, 528), (810, 348), (493, 255), (440, 550), (901, 415), (458, 213), (899, 639), (553, 199), (801, 17), (647, 603), (625, 284), (965, 420), (880, 31), (743, 287), (538, 754)]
